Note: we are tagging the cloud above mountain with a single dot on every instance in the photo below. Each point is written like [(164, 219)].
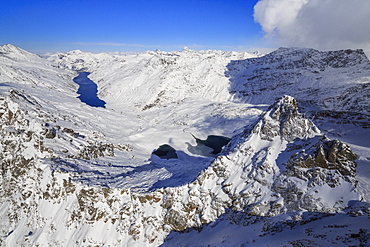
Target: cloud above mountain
[(321, 24)]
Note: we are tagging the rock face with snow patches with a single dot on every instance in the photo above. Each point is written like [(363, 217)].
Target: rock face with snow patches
[(334, 80), (75, 175)]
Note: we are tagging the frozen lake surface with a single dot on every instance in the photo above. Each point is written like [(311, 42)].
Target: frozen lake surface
[(88, 90)]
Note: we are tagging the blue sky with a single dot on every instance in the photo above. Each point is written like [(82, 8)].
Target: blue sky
[(137, 25)]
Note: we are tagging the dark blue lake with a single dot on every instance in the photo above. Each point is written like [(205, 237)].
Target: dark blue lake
[(88, 90)]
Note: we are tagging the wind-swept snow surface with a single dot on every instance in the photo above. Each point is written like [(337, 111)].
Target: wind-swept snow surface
[(75, 175)]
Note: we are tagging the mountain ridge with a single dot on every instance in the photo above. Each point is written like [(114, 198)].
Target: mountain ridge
[(306, 74)]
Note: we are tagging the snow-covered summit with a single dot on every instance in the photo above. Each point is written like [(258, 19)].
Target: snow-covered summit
[(260, 160), (9, 48), (22, 67), (17, 53), (284, 119)]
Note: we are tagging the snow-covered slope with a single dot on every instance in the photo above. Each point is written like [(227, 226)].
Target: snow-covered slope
[(156, 78), (172, 94), (331, 88), (22, 67), (47, 205), (74, 175), (334, 80)]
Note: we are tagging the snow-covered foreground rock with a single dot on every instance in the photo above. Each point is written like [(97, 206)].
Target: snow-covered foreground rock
[(75, 175)]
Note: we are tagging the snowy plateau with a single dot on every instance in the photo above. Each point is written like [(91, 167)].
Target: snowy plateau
[(143, 170)]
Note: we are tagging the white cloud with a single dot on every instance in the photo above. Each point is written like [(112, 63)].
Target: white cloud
[(321, 24)]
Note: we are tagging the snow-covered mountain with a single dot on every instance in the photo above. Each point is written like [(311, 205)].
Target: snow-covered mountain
[(75, 175), (334, 80), (22, 67)]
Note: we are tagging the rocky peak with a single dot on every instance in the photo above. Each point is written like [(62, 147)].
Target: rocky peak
[(283, 119), (284, 160)]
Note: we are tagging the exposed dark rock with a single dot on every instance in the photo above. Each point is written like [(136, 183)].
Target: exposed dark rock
[(176, 220), (327, 154)]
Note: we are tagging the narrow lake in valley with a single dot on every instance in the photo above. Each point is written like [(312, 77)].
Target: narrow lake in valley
[(88, 90)]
